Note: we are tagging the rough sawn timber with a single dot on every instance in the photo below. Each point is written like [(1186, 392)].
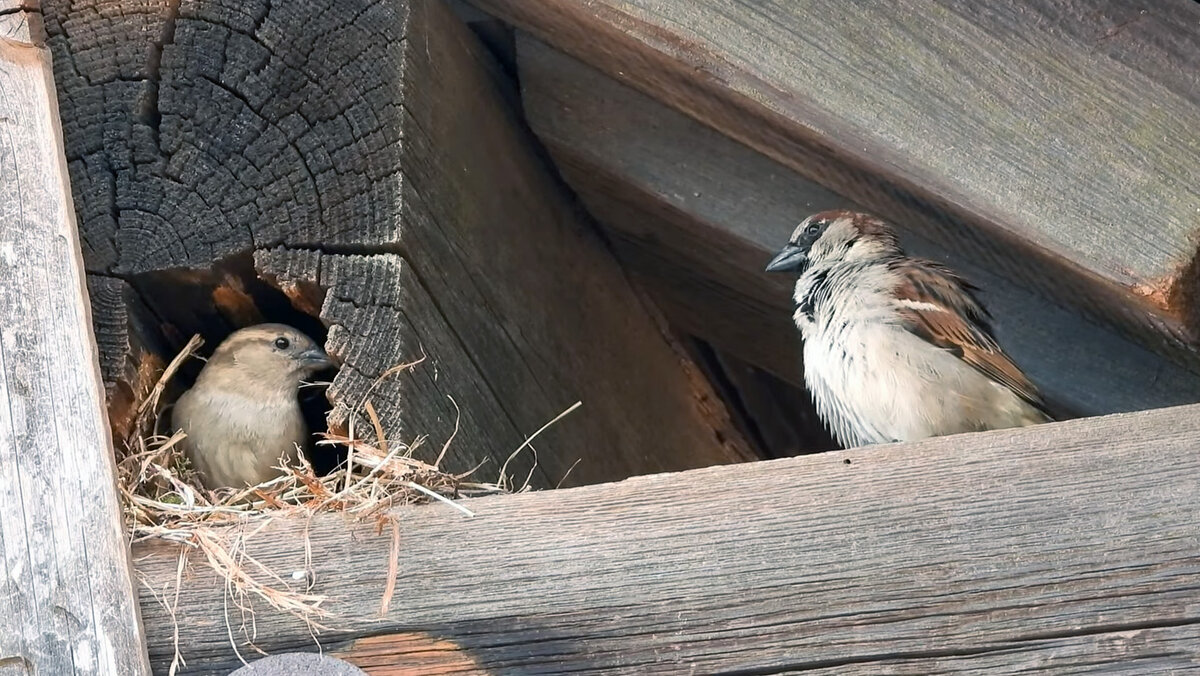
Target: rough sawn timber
[(202, 133), (1064, 163), (1060, 545), (67, 604), (696, 215)]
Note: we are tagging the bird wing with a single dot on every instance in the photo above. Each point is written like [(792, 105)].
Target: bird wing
[(940, 307)]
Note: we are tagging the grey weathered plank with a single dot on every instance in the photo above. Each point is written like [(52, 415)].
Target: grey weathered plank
[(252, 127), (1136, 650), (696, 214), (929, 553), (991, 131), (380, 317), (538, 302), (67, 604), (20, 20)]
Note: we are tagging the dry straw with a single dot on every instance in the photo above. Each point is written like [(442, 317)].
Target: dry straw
[(164, 501)]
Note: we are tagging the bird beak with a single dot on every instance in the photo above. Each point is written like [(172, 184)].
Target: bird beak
[(791, 258), (315, 359)]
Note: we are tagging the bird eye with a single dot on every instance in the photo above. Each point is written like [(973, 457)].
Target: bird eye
[(813, 229), (282, 343)]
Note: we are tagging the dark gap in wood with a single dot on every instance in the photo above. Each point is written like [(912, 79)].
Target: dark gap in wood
[(785, 413), (340, 249), (1010, 644), (147, 111), (231, 295), (706, 358), (1108, 628), (777, 418), (500, 41)]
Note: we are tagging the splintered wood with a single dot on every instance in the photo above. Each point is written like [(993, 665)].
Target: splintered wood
[(67, 604)]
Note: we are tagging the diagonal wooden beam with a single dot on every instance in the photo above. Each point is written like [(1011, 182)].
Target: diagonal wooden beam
[(1058, 545), (696, 214), (67, 604), (1018, 133)]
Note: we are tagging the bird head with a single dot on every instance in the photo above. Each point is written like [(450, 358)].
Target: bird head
[(269, 354), (837, 235)]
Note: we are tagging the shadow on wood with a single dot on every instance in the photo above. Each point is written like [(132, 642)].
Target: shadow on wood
[(1049, 546), (696, 215), (382, 148), (1068, 167)]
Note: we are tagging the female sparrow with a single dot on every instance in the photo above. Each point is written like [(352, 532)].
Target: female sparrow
[(243, 417), (896, 348)]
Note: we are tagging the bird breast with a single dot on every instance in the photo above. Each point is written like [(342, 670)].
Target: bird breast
[(872, 380), (234, 439), (828, 297)]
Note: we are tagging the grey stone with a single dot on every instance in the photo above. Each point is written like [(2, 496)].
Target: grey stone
[(299, 664)]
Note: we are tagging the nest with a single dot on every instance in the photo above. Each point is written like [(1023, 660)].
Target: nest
[(164, 500)]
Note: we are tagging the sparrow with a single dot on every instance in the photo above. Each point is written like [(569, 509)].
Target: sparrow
[(242, 417), (896, 348)]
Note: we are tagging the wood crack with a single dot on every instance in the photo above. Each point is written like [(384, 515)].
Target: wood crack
[(148, 112)]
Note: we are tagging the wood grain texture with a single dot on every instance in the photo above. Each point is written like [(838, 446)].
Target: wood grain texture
[(537, 301), (67, 604), (132, 353), (993, 132), (407, 654), (696, 215), (1057, 542), (21, 21), (202, 132), (379, 317)]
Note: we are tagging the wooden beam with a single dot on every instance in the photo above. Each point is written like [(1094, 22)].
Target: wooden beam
[(1054, 545), (695, 214), (387, 144), (1068, 167), (67, 603)]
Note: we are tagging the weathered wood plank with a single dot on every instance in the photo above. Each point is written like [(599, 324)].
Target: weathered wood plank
[(929, 553), (1157, 650), (20, 20), (221, 129), (695, 214), (1133, 651), (538, 302), (67, 603), (380, 317), (994, 132)]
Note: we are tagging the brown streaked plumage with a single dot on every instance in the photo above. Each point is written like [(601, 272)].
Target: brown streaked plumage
[(896, 348), (940, 307), (242, 417)]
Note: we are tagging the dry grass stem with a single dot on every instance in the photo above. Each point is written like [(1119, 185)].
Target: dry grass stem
[(163, 500), (503, 481)]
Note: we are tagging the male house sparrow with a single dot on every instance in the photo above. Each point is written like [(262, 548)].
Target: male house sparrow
[(896, 348), (242, 416)]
